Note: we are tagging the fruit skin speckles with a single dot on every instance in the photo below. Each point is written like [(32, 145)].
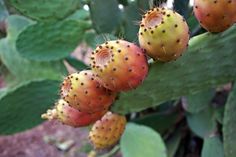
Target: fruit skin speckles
[(120, 65), (107, 131), (70, 116), (215, 15), (83, 92), (164, 34)]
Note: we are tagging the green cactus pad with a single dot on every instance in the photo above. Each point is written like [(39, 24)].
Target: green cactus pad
[(131, 13), (45, 10), (50, 41), (198, 102), (212, 147), (20, 108), (164, 121), (229, 125), (203, 123), (80, 14), (142, 141), (105, 14), (209, 61), (20, 67)]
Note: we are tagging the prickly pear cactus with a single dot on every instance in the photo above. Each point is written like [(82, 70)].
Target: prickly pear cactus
[(45, 10), (187, 74), (19, 66), (55, 40), (105, 62), (229, 125)]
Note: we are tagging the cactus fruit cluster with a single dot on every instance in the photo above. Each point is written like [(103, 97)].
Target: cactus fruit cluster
[(71, 116), (215, 15), (120, 66)]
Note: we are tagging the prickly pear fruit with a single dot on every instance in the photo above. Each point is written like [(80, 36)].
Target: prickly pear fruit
[(83, 92), (120, 65), (71, 116), (215, 15), (107, 131), (164, 34)]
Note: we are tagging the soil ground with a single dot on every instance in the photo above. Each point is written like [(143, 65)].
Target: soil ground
[(51, 139)]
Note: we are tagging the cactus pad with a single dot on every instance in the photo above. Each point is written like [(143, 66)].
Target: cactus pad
[(208, 62), (45, 10), (50, 41), (229, 126)]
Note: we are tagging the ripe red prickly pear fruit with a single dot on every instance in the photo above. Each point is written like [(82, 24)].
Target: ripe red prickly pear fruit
[(83, 92), (120, 65), (164, 34), (71, 116), (215, 15), (107, 131)]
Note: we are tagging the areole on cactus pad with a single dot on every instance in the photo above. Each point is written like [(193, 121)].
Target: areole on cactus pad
[(119, 64), (68, 115), (164, 34)]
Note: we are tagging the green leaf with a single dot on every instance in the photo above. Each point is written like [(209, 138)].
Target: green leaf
[(198, 102), (188, 75), (141, 141), (202, 123), (46, 10), (212, 147), (79, 65), (21, 108), (22, 68), (161, 122), (173, 143), (50, 41), (229, 125), (106, 15)]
